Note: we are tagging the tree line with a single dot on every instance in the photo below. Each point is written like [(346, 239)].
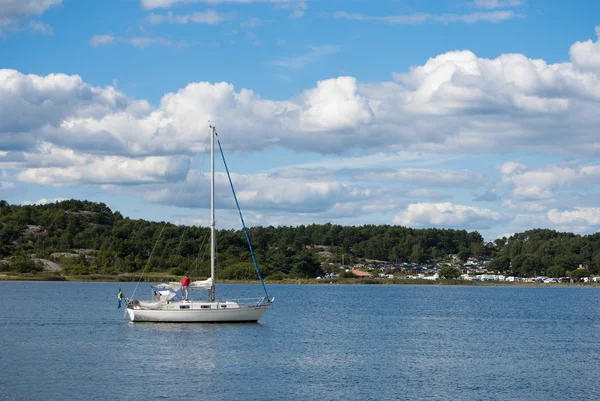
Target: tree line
[(115, 244)]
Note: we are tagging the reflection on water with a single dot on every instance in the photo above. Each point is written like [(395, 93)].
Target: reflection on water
[(69, 341)]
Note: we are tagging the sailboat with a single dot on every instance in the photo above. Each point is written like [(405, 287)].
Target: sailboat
[(167, 306)]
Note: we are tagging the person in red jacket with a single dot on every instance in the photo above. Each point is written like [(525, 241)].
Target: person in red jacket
[(185, 283)]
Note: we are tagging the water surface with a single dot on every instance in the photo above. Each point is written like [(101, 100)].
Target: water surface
[(68, 341)]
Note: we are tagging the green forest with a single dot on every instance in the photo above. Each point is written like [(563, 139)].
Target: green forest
[(88, 238)]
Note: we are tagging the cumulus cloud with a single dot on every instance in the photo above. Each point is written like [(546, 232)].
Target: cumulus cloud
[(586, 55), (110, 170), (34, 108), (59, 130), (454, 103), (447, 215), (578, 216), (333, 105)]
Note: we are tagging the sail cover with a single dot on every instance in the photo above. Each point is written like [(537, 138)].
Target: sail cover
[(172, 285), (201, 285), (194, 285)]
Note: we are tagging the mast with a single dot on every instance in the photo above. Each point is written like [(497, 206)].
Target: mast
[(211, 292)]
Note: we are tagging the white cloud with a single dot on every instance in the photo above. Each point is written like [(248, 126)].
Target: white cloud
[(263, 191), (6, 185), (208, 17), (507, 168), (34, 108), (447, 215), (13, 11), (419, 18), (543, 182), (454, 103), (334, 104), (497, 3), (271, 194), (152, 4), (529, 207), (110, 170), (586, 55), (59, 130), (578, 216), (44, 155), (505, 235), (101, 40), (16, 9), (44, 201)]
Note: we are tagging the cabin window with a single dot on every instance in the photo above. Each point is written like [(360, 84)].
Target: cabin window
[(223, 306), (184, 307), (205, 306)]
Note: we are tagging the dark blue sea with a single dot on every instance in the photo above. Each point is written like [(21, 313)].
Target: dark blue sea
[(68, 341)]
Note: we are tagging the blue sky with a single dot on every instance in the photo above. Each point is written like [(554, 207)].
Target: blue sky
[(475, 114)]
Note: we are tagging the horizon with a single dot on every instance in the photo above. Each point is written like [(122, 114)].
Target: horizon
[(475, 115)]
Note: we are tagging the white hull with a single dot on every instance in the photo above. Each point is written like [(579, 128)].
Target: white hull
[(213, 315)]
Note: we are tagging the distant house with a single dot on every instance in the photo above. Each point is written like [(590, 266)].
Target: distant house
[(361, 274)]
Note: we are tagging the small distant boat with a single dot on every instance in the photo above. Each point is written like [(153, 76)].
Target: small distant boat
[(166, 306)]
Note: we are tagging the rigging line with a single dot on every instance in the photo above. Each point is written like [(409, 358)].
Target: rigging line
[(160, 234), (242, 218)]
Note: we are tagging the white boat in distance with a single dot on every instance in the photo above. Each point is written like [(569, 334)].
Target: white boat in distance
[(166, 306)]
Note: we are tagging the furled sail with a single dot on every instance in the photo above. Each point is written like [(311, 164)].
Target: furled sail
[(201, 285), (172, 285), (194, 285)]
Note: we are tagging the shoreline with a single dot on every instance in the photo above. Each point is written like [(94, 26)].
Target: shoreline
[(127, 278)]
